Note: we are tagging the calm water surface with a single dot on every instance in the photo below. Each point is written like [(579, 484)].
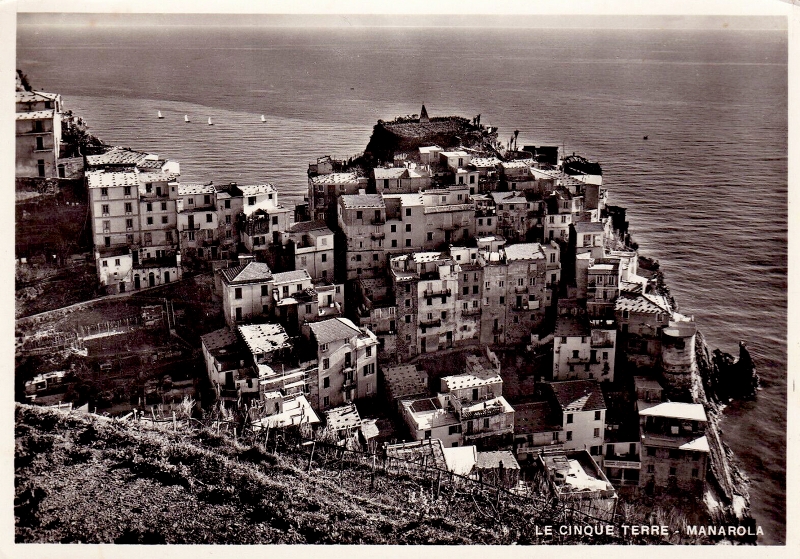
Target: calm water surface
[(706, 193)]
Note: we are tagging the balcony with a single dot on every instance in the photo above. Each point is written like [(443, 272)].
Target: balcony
[(602, 342), (521, 289), (578, 360), (472, 311), (190, 227), (375, 235), (435, 323), (497, 329), (349, 384), (378, 221), (436, 293)]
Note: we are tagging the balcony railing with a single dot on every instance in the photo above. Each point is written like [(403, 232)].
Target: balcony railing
[(190, 227), (377, 235), (472, 311), (436, 293), (577, 360), (603, 342), (520, 289), (349, 384), (435, 323), (378, 221)]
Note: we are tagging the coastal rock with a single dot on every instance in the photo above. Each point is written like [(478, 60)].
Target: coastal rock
[(724, 377), (728, 499)]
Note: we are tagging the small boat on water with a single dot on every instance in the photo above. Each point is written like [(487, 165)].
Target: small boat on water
[(209, 122), (186, 118), (644, 138), (263, 119), (159, 114)]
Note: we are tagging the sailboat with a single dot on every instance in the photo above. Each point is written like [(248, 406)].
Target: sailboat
[(159, 114), (185, 118), (209, 122), (263, 119)]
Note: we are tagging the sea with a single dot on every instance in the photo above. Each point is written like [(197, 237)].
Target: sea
[(706, 192)]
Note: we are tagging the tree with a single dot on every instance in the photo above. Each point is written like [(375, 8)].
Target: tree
[(516, 133)]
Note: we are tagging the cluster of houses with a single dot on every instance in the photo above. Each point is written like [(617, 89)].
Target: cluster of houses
[(330, 303)]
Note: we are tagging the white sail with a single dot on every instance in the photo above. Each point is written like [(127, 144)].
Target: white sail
[(186, 118), (263, 119), (159, 114), (209, 122)]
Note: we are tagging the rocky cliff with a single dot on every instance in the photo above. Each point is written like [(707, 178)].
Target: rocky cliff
[(719, 378)]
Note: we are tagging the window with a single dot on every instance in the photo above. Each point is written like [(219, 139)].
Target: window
[(394, 243), (651, 451), (106, 226), (502, 300), (489, 222), (190, 235), (165, 219), (674, 453), (430, 301), (605, 356), (149, 207), (486, 423), (126, 191), (673, 471), (323, 347), (128, 207), (369, 351), (105, 263), (428, 434), (444, 315), (408, 212), (408, 302), (454, 430), (597, 415), (597, 433), (105, 209), (408, 319), (326, 363), (651, 469), (251, 200), (238, 313), (358, 258), (375, 257), (359, 215), (264, 290), (237, 293), (369, 369), (227, 204), (207, 199), (408, 242), (228, 219), (569, 418), (465, 290), (569, 435), (430, 235), (149, 221), (563, 219), (501, 283), (408, 228), (148, 187), (326, 401), (695, 472), (274, 220), (208, 218)]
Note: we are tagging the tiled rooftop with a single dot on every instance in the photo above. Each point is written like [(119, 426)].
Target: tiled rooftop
[(100, 179), (116, 156), (571, 327), (362, 201), (524, 251), (333, 329), (185, 189), (589, 227), (578, 395), (35, 115), (307, 226), (638, 303), (218, 339), (491, 460), (255, 189), (245, 273), (264, 338), (335, 178), (294, 275), (344, 417)]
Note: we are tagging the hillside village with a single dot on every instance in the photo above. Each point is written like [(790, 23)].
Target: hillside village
[(477, 302)]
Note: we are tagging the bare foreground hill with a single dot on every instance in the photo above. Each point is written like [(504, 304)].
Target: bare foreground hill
[(200, 487)]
